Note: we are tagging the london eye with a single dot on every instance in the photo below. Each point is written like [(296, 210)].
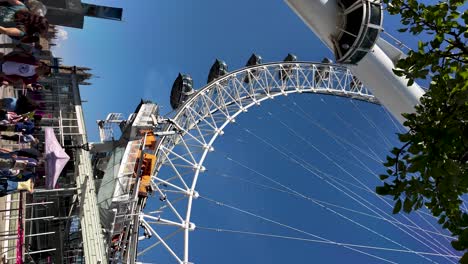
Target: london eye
[(173, 168)]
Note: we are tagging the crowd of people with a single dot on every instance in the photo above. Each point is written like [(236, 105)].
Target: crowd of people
[(24, 23), (24, 27), (21, 118)]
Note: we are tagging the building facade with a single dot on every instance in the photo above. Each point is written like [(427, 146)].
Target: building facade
[(71, 13), (58, 225)]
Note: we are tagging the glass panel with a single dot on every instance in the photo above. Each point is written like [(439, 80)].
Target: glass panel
[(354, 21), (375, 14), (347, 3), (357, 57), (371, 37)]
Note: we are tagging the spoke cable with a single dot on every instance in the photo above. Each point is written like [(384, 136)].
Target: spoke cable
[(290, 227), (355, 131), (333, 135), (339, 166), (324, 203), (417, 211), (302, 165), (372, 124), (347, 194), (325, 242), (320, 239)]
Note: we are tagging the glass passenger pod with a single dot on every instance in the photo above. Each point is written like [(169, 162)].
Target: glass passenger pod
[(182, 89), (253, 60), (286, 69), (363, 24), (323, 72), (218, 69)]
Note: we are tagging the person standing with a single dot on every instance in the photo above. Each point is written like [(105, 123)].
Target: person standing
[(23, 68), (19, 23)]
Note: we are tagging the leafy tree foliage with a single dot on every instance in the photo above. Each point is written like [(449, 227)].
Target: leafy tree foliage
[(431, 168)]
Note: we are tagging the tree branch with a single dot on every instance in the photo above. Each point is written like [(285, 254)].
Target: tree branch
[(398, 156)]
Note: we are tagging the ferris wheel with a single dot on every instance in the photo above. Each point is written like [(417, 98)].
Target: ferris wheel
[(188, 136), (165, 218)]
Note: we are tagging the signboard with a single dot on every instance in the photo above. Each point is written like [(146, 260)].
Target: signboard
[(105, 12)]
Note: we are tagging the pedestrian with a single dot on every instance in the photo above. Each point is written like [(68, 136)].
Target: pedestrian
[(26, 127), (8, 118), (10, 161), (20, 139), (7, 161), (9, 187), (20, 105), (21, 24), (29, 153), (19, 67)]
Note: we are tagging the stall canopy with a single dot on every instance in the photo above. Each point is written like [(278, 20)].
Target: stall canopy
[(55, 157)]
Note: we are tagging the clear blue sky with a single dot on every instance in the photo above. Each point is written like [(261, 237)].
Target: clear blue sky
[(141, 56)]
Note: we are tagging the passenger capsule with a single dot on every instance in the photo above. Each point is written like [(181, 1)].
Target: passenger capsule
[(182, 89), (283, 74), (361, 30), (253, 60), (323, 71), (218, 69)]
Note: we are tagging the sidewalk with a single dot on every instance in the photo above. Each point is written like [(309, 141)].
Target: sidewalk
[(8, 228)]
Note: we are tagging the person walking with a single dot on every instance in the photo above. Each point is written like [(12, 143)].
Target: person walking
[(19, 23), (20, 105), (19, 67)]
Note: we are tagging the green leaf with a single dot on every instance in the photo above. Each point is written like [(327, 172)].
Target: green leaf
[(407, 205), (404, 137), (465, 219), (414, 168), (452, 168), (395, 151), (383, 190), (420, 45), (441, 219), (432, 169), (397, 207), (419, 204), (457, 245), (464, 259), (465, 17), (383, 176)]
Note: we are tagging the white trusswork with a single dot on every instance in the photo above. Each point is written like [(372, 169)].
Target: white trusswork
[(106, 132), (186, 137), (199, 122), (375, 69)]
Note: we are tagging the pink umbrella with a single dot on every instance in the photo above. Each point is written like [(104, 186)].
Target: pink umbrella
[(55, 157), (20, 236)]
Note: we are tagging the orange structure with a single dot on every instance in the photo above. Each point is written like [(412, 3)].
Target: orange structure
[(147, 165)]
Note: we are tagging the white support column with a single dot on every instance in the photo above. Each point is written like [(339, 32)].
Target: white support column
[(374, 70)]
